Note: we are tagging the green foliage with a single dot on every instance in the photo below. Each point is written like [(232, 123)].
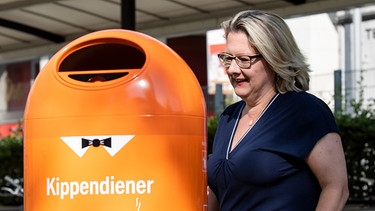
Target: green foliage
[(11, 156), (11, 159), (358, 136), (211, 130)]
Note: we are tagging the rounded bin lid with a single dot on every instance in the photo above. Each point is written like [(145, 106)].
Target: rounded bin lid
[(115, 72)]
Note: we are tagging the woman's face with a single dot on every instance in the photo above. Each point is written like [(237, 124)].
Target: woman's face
[(253, 82)]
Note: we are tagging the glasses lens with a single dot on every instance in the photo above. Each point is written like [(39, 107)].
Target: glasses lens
[(243, 61), (225, 59)]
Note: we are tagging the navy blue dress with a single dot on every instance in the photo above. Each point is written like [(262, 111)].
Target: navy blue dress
[(266, 171)]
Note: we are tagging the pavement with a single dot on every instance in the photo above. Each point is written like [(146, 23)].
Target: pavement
[(359, 207), (11, 208), (355, 207)]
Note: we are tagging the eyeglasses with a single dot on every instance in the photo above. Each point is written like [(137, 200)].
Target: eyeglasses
[(243, 61)]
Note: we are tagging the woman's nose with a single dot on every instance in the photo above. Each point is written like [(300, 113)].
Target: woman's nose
[(233, 67)]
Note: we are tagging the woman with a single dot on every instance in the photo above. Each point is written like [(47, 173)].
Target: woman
[(278, 148)]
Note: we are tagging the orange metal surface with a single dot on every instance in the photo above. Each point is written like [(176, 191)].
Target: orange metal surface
[(115, 121)]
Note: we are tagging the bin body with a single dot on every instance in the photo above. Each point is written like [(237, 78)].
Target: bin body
[(115, 121)]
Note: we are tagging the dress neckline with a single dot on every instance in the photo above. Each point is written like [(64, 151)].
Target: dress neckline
[(248, 130)]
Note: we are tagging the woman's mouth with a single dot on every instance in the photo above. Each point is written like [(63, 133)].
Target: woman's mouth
[(240, 81)]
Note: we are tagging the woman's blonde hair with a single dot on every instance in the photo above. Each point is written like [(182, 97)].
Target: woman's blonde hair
[(271, 36)]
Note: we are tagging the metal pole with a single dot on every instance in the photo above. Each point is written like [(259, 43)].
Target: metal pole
[(338, 90), (348, 69), (128, 14), (219, 99)]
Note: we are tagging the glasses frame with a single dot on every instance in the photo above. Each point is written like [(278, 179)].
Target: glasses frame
[(238, 61)]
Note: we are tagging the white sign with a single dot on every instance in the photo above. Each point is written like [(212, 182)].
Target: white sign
[(368, 45), (216, 73)]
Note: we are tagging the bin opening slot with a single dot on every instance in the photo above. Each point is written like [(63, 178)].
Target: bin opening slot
[(108, 56), (97, 77)]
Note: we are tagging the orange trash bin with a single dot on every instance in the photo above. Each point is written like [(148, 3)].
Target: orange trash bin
[(115, 121)]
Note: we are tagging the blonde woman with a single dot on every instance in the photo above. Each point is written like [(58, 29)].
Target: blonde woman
[(278, 148)]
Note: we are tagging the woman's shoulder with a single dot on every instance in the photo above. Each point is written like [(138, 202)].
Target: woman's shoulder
[(305, 107), (304, 100)]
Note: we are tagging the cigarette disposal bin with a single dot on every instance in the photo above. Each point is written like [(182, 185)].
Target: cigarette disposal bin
[(115, 121)]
